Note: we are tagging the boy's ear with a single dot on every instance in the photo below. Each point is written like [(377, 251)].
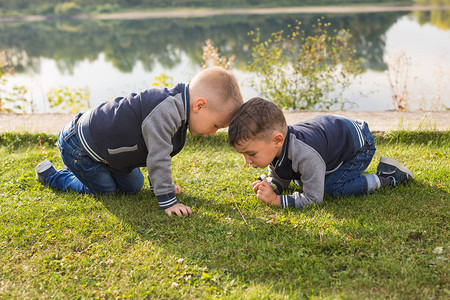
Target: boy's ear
[(278, 139), (199, 104)]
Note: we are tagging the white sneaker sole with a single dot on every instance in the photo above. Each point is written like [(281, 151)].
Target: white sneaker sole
[(43, 166), (395, 163)]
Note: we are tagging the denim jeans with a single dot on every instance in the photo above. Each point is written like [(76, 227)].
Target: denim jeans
[(348, 179), (83, 174)]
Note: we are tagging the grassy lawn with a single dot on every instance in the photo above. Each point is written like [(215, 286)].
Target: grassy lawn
[(390, 244)]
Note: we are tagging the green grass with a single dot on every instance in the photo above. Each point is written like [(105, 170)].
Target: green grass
[(378, 246)]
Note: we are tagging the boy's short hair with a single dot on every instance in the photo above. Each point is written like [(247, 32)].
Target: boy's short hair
[(224, 85), (256, 119)]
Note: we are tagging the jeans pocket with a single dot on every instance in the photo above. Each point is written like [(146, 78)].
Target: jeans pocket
[(365, 157), (368, 137), (67, 133), (71, 149), (80, 156)]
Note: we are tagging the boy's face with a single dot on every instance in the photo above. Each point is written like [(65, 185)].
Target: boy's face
[(206, 121), (259, 153)]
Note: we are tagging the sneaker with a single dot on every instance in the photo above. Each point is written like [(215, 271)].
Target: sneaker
[(391, 169), (44, 170)]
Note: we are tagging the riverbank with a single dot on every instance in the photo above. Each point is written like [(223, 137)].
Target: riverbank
[(378, 120), (207, 12)]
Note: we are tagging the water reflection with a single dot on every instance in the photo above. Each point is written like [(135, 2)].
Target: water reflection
[(113, 57)]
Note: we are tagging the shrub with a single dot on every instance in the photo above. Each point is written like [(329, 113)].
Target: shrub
[(298, 71), (162, 80), (69, 100), (107, 8), (67, 8)]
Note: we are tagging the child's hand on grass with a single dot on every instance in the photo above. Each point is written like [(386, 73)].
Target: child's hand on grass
[(177, 189), (255, 186), (265, 193), (179, 209)]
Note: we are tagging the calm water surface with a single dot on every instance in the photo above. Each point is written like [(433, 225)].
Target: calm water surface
[(112, 58)]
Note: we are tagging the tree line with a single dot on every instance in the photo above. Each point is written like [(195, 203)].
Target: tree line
[(71, 7), (124, 43)]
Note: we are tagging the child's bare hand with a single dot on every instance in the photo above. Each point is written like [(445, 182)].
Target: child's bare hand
[(177, 189), (255, 186), (179, 209), (266, 194)]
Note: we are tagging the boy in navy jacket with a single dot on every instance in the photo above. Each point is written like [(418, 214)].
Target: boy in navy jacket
[(326, 154), (103, 148)]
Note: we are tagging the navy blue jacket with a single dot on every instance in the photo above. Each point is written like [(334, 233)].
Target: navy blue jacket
[(143, 129), (311, 150)]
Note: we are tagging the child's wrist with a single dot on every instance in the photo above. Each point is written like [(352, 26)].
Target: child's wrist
[(277, 200)]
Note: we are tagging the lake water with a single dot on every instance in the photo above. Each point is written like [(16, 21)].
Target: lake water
[(114, 57)]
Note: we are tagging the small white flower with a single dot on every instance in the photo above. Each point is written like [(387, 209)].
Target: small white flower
[(438, 250), (175, 285)]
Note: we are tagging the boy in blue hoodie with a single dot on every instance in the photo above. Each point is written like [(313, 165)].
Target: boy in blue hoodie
[(103, 148), (327, 154)]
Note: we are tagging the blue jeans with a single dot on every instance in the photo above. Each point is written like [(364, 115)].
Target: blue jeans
[(348, 179), (84, 175)]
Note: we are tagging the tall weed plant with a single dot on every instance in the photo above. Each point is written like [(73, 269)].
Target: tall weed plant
[(212, 58), (397, 73), (300, 71), (407, 83), (13, 99)]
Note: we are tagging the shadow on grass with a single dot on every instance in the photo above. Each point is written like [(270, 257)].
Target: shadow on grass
[(312, 248), (217, 236)]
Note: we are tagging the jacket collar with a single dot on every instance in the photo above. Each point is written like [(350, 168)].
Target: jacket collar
[(185, 97), (277, 162)]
